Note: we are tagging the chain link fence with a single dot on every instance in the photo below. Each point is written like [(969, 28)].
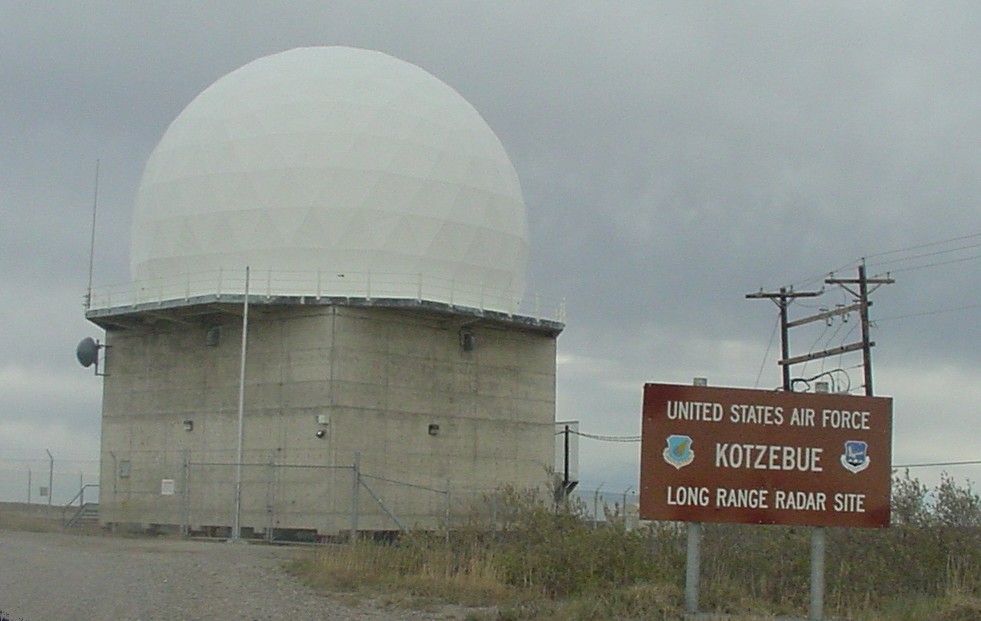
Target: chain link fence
[(275, 501), (45, 477), (194, 493)]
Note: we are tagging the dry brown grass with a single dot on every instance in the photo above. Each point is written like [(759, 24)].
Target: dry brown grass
[(10, 520), (417, 570), (539, 564)]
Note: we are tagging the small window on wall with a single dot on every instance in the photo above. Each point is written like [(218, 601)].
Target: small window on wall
[(124, 469)]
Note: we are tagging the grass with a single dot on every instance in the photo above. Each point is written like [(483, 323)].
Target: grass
[(418, 569), (11, 520), (537, 562)]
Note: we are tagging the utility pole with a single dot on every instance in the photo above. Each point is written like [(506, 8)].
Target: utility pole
[(782, 299), (864, 303), (566, 485)]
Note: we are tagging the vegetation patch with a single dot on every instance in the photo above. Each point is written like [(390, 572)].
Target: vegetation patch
[(533, 561)]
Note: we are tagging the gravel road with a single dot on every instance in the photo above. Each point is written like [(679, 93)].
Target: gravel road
[(57, 576)]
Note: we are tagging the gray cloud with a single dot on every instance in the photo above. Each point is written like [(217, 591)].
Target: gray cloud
[(674, 156)]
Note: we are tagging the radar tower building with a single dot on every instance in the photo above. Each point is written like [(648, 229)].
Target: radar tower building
[(362, 224)]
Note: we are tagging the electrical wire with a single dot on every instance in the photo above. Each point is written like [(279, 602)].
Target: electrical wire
[(820, 278), (807, 281), (926, 245), (937, 264), (766, 356), (927, 254), (830, 373), (593, 436), (933, 312), (971, 462)]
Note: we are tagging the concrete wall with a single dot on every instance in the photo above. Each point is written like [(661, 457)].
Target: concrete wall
[(381, 377)]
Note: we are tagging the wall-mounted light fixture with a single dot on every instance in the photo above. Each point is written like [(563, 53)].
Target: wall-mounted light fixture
[(323, 421), (434, 430), (189, 425)]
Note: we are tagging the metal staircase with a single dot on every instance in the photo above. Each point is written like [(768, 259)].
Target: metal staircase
[(86, 514)]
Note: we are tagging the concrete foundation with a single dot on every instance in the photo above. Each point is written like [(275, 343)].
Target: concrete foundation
[(440, 406)]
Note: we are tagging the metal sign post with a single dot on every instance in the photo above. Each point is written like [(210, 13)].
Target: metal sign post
[(693, 566), (816, 611)]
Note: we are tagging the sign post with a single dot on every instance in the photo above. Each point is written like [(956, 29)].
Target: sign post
[(711, 454)]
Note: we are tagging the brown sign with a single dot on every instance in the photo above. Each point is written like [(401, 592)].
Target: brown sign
[(764, 457)]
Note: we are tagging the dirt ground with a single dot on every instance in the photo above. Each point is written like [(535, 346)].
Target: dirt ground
[(48, 576)]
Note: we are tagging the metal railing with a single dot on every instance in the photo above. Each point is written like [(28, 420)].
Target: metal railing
[(320, 284), (82, 505)]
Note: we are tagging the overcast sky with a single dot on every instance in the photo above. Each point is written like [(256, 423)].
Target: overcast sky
[(674, 157)]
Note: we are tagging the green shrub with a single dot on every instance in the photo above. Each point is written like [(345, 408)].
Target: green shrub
[(538, 561), (557, 551)]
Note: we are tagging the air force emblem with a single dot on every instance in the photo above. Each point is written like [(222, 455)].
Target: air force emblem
[(856, 456), (678, 452)]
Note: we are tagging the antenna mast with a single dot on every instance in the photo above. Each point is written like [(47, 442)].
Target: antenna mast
[(95, 204)]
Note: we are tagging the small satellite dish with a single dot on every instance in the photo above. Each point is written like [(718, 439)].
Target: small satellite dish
[(87, 352)]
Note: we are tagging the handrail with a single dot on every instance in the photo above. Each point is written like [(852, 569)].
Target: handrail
[(328, 283), (80, 496)]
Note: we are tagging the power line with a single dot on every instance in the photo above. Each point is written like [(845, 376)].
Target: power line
[(820, 277), (766, 356), (593, 436), (933, 312), (972, 462), (926, 245), (817, 278), (927, 254), (937, 264)]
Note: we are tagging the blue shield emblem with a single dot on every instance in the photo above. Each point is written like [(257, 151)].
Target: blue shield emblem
[(856, 456), (678, 452)]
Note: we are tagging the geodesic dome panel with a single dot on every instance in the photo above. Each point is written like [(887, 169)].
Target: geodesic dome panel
[(345, 163)]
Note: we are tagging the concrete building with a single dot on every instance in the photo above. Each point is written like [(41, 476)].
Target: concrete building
[(364, 225)]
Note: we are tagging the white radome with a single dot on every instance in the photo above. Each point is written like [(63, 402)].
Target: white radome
[(327, 168)]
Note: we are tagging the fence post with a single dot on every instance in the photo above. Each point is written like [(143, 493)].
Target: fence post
[(447, 510), (115, 478), (495, 513), (596, 505), (355, 488), (185, 494), (51, 466), (270, 486)]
